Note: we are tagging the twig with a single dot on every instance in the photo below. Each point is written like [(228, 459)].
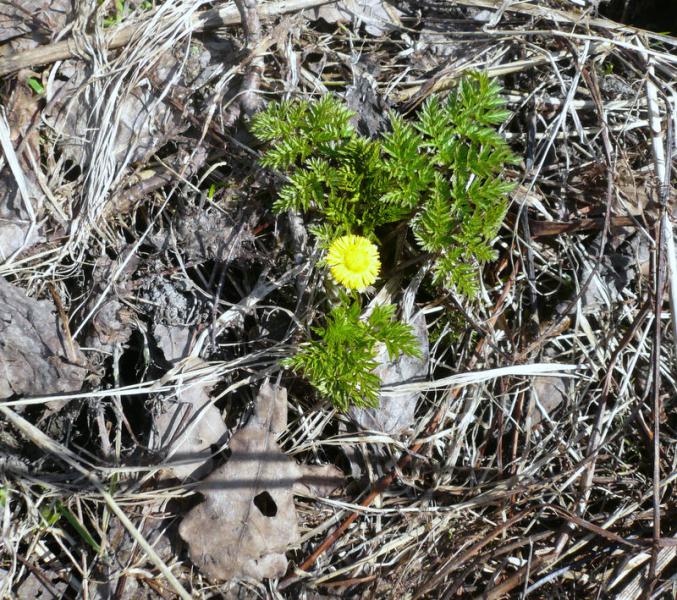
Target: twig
[(70, 347), (663, 233), (248, 101)]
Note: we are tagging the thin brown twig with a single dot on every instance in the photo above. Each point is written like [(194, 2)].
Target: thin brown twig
[(70, 346), (348, 582), (659, 292), (663, 231)]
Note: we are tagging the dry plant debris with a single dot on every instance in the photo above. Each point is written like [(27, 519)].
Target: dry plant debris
[(377, 16), (37, 355), (147, 290), (187, 427), (142, 121)]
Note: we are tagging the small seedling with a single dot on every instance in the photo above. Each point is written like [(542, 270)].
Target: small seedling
[(35, 85)]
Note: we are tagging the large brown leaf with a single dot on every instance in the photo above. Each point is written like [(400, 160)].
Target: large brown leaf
[(248, 519)]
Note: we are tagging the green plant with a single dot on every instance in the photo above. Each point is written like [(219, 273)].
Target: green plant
[(121, 9), (340, 361), (442, 174), (35, 85), (51, 515)]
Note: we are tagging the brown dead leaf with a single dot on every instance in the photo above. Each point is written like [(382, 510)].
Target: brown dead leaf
[(187, 427), (33, 350), (547, 393), (173, 340), (248, 519), (15, 225), (113, 320), (15, 222), (363, 99), (111, 326), (50, 585), (211, 234), (378, 16), (31, 22), (188, 424)]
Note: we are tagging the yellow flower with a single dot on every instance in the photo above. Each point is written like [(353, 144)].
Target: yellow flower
[(353, 261)]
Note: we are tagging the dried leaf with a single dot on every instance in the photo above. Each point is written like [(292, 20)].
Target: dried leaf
[(210, 234), (173, 340), (15, 226), (610, 278), (248, 519), (15, 222), (35, 21), (34, 588), (547, 393), (318, 480), (376, 15), (363, 99), (396, 412), (111, 326), (113, 320), (142, 122), (34, 355), (187, 427)]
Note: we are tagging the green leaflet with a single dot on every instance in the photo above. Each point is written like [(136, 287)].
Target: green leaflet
[(340, 361)]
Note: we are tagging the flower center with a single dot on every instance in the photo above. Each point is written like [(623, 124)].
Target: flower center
[(357, 261)]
